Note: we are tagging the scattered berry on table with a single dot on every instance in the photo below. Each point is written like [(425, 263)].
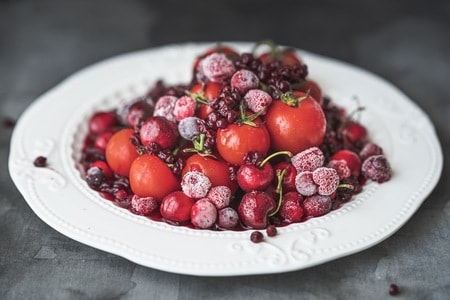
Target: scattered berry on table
[(256, 237), (40, 161)]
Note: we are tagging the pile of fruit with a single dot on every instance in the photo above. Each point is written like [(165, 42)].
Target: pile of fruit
[(250, 142)]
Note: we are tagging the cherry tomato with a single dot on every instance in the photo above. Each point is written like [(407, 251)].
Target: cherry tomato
[(296, 128), (209, 91), (151, 177), (217, 170), (120, 152), (235, 141)]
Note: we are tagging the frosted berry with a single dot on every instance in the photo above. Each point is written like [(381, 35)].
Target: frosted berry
[(244, 80), (190, 127), (195, 184), (203, 214), (216, 67), (164, 107), (159, 130), (220, 196), (258, 101), (308, 160), (327, 180), (377, 168), (370, 149), (138, 112), (291, 210), (143, 205), (305, 184), (317, 205), (95, 177), (341, 168), (184, 107), (228, 218)]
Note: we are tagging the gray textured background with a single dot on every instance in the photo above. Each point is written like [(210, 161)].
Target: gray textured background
[(42, 42)]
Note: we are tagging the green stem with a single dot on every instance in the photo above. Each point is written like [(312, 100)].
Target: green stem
[(279, 190), (265, 160)]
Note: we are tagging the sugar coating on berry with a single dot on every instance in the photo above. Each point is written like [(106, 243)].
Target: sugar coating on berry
[(184, 107), (305, 184), (244, 80), (143, 205), (341, 168), (165, 106), (228, 218), (220, 196), (203, 214), (195, 184), (377, 168), (190, 127), (370, 149), (317, 205), (308, 160), (291, 210), (258, 101), (327, 179), (216, 67)]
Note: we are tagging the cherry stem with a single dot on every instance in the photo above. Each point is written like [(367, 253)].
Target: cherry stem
[(279, 190), (345, 186), (265, 160), (248, 120)]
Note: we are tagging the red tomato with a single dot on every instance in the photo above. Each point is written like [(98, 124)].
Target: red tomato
[(235, 141), (210, 91), (296, 128), (151, 177), (216, 170), (120, 152)]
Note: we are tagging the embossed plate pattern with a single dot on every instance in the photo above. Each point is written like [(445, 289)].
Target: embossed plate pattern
[(55, 124)]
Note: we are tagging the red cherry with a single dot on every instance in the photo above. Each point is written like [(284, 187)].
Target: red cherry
[(291, 210), (102, 121), (254, 208), (355, 133), (176, 207), (251, 177), (288, 182), (159, 130), (351, 158)]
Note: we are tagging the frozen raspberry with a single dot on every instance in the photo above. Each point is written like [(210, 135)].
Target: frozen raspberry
[(184, 107), (220, 196), (164, 107), (308, 160), (143, 205), (327, 179), (377, 168), (305, 184), (341, 168), (203, 214), (291, 210), (258, 101), (317, 205), (370, 149), (244, 80), (228, 218), (216, 67), (195, 184)]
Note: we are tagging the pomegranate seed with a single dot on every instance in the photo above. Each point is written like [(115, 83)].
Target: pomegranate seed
[(256, 237), (40, 161), (393, 289)]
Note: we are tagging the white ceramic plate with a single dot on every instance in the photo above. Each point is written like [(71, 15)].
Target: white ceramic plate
[(54, 126)]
